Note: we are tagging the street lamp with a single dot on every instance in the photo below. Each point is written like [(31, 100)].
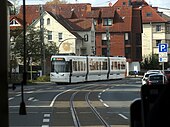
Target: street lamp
[(22, 110)]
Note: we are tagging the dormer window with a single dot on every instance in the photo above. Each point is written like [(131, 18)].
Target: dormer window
[(48, 21), (149, 14), (14, 23), (107, 22)]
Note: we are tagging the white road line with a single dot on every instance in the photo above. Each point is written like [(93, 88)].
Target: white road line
[(101, 100), (31, 98), (52, 102), (46, 120), (45, 126), (46, 115), (10, 98), (105, 105), (18, 95), (29, 92), (122, 116)]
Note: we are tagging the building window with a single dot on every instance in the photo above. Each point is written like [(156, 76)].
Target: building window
[(48, 21), (168, 29), (124, 3), (158, 42), (158, 28), (168, 42), (104, 42), (60, 36), (128, 52), (107, 22), (104, 51), (149, 14), (127, 38), (49, 35)]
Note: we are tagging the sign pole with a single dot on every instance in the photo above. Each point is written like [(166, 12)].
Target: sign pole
[(163, 72), (163, 55)]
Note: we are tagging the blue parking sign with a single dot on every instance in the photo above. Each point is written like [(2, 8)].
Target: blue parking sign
[(163, 47)]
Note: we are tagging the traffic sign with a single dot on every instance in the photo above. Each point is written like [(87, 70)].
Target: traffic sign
[(163, 47), (163, 52), (163, 59)]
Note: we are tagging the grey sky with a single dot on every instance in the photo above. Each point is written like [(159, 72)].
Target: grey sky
[(158, 3)]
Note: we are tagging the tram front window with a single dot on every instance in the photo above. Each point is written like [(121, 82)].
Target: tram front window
[(60, 66)]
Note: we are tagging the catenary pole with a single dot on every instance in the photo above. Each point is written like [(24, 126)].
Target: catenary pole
[(4, 64)]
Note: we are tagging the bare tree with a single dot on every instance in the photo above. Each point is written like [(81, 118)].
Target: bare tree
[(57, 2)]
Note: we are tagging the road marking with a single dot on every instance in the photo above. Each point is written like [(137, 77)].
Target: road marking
[(46, 120), (101, 100), (52, 102), (105, 105), (46, 115), (10, 98), (31, 98), (122, 116), (29, 92), (18, 95)]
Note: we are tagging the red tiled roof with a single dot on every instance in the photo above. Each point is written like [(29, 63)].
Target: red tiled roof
[(149, 14), (82, 24)]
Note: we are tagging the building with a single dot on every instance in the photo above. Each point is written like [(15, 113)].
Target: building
[(156, 29), (106, 31)]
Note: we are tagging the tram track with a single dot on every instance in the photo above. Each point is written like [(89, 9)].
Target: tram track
[(93, 110)]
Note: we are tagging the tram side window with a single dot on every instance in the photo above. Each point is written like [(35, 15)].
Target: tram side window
[(93, 65), (74, 65), (115, 67), (78, 66), (104, 65), (82, 66), (123, 65), (119, 65)]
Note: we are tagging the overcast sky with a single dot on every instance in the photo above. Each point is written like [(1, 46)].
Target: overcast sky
[(158, 3)]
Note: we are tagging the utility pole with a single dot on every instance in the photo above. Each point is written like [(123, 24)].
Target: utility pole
[(4, 31), (43, 60), (108, 41)]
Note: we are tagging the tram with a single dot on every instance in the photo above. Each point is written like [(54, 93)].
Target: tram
[(74, 69)]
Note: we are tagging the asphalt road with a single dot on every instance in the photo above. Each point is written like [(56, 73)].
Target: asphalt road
[(92, 104)]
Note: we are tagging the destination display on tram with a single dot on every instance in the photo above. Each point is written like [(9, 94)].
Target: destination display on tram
[(57, 59)]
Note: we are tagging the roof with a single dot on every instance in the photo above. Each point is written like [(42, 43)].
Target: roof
[(122, 18), (66, 23), (150, 14)]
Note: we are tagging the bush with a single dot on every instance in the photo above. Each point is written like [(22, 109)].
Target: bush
[(44, 78)]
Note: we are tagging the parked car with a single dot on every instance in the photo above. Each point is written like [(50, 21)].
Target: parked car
[(145, 77), (156, 71), (157, 79), (167, 73)]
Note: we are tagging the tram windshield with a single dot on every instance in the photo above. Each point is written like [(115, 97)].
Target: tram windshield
[(60, 66)]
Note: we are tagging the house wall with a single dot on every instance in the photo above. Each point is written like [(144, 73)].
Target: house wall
[(68, 42), (147, 40)]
